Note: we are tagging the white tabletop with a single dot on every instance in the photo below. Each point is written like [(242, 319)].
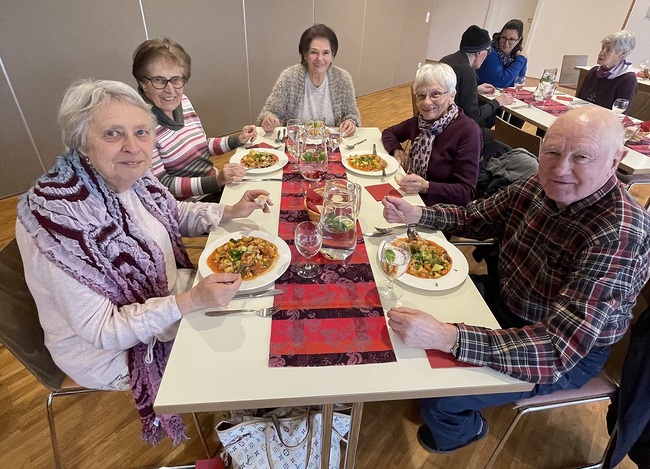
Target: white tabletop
[(633, 163), (221, 363)]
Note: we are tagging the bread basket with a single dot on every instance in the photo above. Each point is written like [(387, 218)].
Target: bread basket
[(313, 216)]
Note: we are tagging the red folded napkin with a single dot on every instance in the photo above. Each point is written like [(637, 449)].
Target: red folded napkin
[(313, 198), (438, 359), (627, 122), (645, 126), (379, 191), (564, 98)]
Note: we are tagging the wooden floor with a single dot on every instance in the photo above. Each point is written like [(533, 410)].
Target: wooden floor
[(101, 430)]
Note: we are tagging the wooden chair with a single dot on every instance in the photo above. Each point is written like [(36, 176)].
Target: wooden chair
[(515, 137), (631, 180), (640, 106), (22, 334)]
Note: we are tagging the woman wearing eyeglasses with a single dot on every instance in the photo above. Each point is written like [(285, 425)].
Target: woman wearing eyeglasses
[(507, 59), (181, 158), (442, 164)]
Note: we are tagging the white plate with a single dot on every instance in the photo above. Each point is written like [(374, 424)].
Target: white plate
[(392, 166), (281, 264), (457, 275), (282, 160)]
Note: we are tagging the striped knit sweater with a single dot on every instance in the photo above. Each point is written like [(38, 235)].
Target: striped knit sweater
[(181, 157)]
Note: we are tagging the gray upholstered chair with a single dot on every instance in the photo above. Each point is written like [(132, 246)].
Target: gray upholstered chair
[(22, 334)]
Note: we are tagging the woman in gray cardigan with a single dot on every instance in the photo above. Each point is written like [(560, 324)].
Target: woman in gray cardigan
[(315, 89)]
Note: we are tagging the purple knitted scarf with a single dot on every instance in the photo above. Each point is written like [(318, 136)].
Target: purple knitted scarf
[(80, 225)]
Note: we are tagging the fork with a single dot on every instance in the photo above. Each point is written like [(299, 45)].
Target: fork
[(351, 146), (262, 312)]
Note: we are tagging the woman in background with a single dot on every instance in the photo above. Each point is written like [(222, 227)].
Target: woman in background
[(507, 59), (446, 144), (315, 89), (613, 77), (181, 158)]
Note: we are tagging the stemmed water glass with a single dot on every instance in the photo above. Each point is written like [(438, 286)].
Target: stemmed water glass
[(620, 106), (293, 130), (308, 240), (519, 84), (394, 261)]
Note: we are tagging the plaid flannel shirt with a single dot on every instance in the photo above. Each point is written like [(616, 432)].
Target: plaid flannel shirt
[(571, 275)]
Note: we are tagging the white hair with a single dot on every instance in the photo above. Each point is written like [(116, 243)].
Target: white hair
[(83, 98), (624, 41)]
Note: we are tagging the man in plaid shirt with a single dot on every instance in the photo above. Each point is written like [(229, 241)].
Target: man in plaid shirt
[(573, 258)]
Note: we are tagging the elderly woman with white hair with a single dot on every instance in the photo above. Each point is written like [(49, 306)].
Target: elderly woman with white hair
[(442, 164), (613, 77), (100, 239)]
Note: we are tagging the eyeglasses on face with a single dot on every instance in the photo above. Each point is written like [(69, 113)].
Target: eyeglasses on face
[(434, 96), (510, 40), (160, 83)]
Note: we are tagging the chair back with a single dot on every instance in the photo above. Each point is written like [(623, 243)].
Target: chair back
[(20, 328), (640, 106), (568, 74), (515, 137)]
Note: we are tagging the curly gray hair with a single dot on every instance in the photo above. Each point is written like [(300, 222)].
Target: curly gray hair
[(624, 41), (83, 98)]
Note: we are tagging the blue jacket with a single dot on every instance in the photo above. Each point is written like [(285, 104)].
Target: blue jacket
[(494, 72)]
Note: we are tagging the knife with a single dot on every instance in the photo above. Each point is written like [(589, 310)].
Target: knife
[(259, 294)]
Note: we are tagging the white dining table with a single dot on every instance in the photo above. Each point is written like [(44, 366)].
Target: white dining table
[(633, 163), (221, 363)]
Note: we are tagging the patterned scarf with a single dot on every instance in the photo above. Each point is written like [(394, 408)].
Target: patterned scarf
[(423, 144), (620, 69), (81, 226), (506, 59)]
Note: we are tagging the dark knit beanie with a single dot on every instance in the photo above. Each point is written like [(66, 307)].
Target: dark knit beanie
[(475, 39)]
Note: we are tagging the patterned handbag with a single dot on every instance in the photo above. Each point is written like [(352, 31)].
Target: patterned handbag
[(280, 443)]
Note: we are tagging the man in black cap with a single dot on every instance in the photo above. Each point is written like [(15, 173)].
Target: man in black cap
[(474, 48)]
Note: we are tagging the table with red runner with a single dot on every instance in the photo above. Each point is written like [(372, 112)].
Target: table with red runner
[(335, 318), (551, 106)]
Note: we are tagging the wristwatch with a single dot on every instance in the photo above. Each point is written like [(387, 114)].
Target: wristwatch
[(455, 348)]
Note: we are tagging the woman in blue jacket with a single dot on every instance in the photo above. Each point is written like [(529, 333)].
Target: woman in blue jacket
[(507, 58)]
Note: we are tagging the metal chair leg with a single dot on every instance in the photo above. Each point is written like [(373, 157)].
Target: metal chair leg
[(50, 419), (201, 436), (503, 441)]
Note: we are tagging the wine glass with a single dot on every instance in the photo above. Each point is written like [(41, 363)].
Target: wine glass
[(620, 106), (308, 240), (334, 138), (519, 84), (293, 129), (548, 91), (394, 261)]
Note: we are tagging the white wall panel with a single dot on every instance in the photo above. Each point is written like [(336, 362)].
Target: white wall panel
[(213, 34)]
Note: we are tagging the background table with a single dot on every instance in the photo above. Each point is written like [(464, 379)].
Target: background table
[(633, 163)]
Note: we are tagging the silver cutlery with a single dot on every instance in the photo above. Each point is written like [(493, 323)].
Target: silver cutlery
[(383, 231), (278, 139), (262, 312), (259, 294), (260, 179), (351, 146)]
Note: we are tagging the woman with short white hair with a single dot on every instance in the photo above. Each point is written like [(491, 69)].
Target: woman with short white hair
[(613, 77), (446, 144)]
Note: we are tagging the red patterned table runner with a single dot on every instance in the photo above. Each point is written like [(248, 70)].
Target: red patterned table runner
[(335, 318)]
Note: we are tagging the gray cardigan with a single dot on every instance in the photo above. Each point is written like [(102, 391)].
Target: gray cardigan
[(288, 94)]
